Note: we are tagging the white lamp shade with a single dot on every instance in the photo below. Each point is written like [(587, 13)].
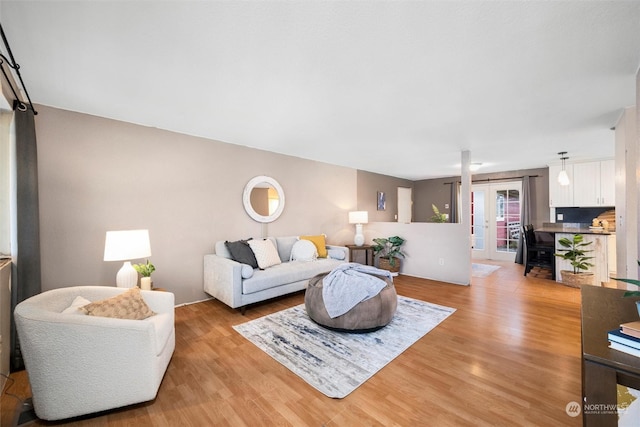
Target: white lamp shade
[(563, 178), (127, 245), (358, 217)]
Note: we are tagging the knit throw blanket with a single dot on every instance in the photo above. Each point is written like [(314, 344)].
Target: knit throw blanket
[(349, 284)]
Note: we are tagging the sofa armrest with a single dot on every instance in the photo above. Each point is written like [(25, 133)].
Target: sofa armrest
[(223, 279), (342, 248)]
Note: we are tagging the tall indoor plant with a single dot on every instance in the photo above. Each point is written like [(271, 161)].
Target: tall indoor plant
[(389, 251), (574, 250)]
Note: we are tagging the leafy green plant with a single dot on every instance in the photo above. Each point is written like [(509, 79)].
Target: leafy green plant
[(389, 248), (633, 282), (437, 216), (575, 252), (145, 270)]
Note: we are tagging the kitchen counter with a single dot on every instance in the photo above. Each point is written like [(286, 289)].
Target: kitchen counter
[(603, 247), (574, 230)]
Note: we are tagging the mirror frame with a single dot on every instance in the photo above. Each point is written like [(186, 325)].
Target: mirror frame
[(246, 198)]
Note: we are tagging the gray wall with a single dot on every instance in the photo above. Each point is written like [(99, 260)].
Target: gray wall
[(438, 191), (97, 174), (369, 184)]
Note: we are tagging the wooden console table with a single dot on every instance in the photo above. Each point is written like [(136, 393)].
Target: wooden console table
[(604, 309), (368, 253)]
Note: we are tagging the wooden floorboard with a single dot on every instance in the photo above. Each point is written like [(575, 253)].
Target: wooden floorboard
[(509, 355)]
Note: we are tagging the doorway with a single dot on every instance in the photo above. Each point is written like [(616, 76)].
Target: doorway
[(496, 220)]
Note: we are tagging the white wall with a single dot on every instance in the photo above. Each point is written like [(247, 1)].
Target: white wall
[(433, 251), (626, 195)]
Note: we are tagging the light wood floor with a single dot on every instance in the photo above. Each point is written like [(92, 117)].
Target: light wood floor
[(510, 355)]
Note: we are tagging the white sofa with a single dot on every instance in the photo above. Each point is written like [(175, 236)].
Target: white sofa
[(237, 285), (80, 364)]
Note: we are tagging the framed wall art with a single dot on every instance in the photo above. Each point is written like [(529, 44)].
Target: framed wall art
[(382, 201)]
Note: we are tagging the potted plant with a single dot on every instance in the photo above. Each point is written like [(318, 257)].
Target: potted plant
[(574, 251), (145, 271), (437, 216), (389, 251)]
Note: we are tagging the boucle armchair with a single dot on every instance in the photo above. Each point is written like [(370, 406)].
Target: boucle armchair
[(80, 364)]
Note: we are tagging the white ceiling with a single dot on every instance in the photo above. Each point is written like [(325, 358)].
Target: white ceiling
[(393, 87)]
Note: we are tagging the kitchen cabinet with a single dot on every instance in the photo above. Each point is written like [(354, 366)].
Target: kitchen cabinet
[(594, 184), (560, 195)]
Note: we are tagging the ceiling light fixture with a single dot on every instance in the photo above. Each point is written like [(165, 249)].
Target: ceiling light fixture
[(563, 177)]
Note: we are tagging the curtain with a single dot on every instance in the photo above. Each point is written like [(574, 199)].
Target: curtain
[(455, 202), (26, 279), (525, 217)]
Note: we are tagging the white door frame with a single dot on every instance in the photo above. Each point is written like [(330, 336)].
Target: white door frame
[(489, 250)]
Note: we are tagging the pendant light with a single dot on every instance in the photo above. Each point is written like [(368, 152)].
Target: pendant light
[(563, 177)]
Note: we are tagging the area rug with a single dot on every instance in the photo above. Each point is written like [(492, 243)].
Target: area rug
[(482, 270), (336, 363)]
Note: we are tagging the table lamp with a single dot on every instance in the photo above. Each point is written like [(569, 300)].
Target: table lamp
[(125, 246), (358, 218)]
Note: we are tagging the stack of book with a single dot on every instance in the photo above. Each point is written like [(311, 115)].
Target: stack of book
[(627, 338)]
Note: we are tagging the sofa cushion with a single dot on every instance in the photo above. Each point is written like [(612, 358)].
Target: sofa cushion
[(127, 305), (242, 253), (304, 250), (220, 249), (265, 252), (320, 242), (284, 246), (287, 272)]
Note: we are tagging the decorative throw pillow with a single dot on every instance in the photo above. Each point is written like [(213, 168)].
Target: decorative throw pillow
[(127, 305), (265, 252), (319, 241), (76, 306), (246, 271), (241, 252), (304, 250)]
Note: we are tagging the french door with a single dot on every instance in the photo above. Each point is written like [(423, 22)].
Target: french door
[(495, 220)]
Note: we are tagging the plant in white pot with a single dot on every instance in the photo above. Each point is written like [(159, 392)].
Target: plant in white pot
[(145, 271), (389, 251), (574, 250)]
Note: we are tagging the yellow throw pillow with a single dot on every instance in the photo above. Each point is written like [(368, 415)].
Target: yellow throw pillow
[(319, 241), (127, 305)]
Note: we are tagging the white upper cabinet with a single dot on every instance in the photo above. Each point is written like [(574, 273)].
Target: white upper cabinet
[(594, 184), (560, 195), (608, 183)]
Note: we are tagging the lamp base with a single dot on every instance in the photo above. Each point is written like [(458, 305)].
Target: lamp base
[(358, 239), (127, 276)]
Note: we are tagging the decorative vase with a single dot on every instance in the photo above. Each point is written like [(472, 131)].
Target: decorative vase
[(385, 264), (638, 307), (145, 283), (576, 280)]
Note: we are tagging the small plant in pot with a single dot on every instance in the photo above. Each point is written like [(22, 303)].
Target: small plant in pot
[(576, 253), (437, 215), (145, 271), (389, 251)]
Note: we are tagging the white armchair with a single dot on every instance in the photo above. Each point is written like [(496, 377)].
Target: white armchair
[(79, 364)]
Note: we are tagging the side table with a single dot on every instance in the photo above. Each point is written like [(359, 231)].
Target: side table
[(368, 253)]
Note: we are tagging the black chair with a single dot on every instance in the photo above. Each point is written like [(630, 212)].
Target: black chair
[(538, 254)]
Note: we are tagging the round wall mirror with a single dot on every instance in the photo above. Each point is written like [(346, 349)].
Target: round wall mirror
[(263, 199)]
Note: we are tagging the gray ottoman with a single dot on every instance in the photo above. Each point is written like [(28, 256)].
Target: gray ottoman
[(367, 316)]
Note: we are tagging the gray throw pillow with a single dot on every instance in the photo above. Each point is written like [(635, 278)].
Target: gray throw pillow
[(242, 253)]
